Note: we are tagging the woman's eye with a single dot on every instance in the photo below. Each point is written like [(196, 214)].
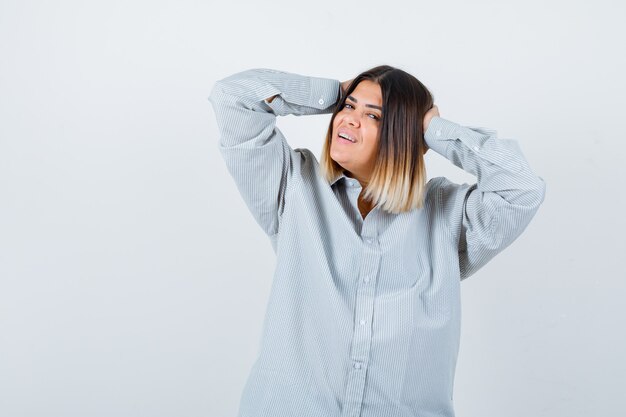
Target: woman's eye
[(375, 117)]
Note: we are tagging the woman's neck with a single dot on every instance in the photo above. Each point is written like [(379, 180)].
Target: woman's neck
[(361, 180)]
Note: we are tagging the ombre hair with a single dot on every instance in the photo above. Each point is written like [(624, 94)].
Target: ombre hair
[(398, 181)]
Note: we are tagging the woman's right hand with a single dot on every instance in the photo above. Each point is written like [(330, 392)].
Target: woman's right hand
[(344, 86)]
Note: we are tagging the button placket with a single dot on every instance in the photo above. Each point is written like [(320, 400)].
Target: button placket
[(353, 189), (363, 314)]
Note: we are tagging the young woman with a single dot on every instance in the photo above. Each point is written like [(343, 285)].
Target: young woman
[(364, 312)]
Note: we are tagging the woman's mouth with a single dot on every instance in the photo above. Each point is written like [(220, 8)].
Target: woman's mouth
[(343, 138)]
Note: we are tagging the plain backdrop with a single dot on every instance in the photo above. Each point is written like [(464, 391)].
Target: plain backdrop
[(133, 280)]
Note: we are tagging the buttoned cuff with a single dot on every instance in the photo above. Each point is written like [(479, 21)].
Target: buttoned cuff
[(439, 133), (480, 141), (324, 92), (307, 92)]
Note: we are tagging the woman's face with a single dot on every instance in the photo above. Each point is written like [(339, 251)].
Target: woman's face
[(360, 119)]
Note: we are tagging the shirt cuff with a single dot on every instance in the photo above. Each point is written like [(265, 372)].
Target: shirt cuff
[(445, 136), (318, 94), (439, 133), (324, 92)]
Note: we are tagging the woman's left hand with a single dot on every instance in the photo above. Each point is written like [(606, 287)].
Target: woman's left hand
[(434, 111)]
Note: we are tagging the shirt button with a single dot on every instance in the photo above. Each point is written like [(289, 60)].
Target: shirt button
[(366, 280), (369, 240), (476, 148), (362, 322), (321, 101), (438, 132), (357, 365)]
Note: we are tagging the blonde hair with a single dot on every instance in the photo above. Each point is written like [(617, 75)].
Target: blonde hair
[(398, 181)]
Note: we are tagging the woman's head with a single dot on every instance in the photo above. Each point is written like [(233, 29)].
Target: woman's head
[(382, 110)]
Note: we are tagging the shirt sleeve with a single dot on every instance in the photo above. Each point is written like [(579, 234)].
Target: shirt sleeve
[(255, 151), (489, 215)]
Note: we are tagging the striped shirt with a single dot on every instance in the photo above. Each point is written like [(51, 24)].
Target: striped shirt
[(364, 314)]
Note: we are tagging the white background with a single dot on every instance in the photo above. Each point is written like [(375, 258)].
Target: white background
[(133, 280)]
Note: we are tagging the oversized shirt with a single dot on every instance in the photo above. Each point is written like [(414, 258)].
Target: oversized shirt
[(363, 317)]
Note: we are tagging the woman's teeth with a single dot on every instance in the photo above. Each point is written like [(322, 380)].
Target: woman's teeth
[(346, 137)]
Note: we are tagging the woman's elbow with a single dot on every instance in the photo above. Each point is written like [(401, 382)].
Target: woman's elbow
[(538, 193)]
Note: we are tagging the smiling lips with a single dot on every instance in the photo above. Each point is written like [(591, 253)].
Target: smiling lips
[(346, 135)]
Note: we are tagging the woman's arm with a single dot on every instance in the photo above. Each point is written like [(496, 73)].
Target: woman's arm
[(487, 216), (256, 153)]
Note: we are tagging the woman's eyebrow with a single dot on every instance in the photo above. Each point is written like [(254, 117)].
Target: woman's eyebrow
[(367, 105)]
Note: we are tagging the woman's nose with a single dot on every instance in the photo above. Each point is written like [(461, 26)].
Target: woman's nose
[(352, 119)]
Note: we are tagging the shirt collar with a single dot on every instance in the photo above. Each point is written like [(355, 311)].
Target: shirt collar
[(348, 181), (338, 177)]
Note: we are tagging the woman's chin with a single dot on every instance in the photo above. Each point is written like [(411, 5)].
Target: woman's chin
[(340, 162), (339, 158)]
